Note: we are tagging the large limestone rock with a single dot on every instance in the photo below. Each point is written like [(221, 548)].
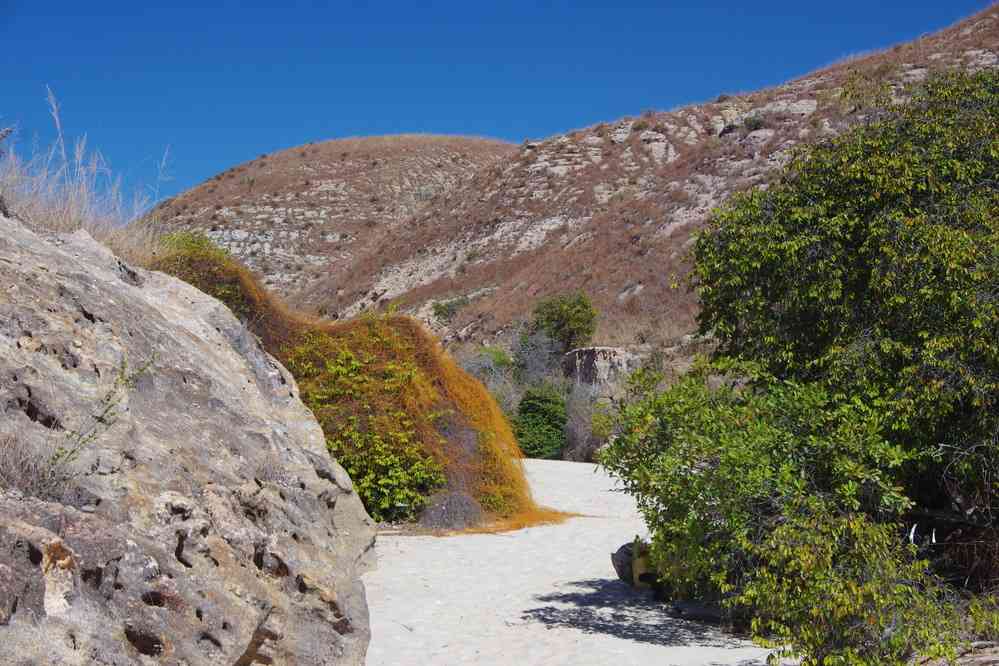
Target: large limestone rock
[(207, 525)]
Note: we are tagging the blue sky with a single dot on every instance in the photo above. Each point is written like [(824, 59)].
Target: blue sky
[(223, 84)]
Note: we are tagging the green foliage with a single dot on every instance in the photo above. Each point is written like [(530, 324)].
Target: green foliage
[(723, 463), (568, 319), (873, 267), (446, 310), (500, 357), (382, 389), (391, 472), (540, 423), (194, 258), (854, 393), (602, 422), (982, 618), (351, 393), (761, 495), (754, 123), (840, 589)]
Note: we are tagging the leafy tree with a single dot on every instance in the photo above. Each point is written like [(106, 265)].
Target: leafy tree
[(873, 267), (568, 319), (854, 394), (540, 424)]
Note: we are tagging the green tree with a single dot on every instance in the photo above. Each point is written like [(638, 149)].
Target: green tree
[(873, 267), (568, 319), (854, 393)]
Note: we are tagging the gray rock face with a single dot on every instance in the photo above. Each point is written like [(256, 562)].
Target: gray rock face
[(206, 524), (602, 368)]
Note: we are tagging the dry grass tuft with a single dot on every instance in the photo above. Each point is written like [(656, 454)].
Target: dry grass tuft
[(63, 189), (34, 470)]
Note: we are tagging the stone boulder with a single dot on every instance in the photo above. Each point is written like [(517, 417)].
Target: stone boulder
[(622, 560), (202, 521)]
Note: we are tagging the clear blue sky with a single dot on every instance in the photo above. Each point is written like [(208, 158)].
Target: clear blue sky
[(223, 84)]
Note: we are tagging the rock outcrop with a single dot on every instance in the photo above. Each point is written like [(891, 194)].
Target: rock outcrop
[(602, 369), (203, 521)]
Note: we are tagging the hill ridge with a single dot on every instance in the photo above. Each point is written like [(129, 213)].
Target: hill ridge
[(609, 209)]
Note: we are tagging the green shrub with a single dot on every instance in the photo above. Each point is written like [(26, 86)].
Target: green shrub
[(500, 357), (840, 589), (858, 297), (760, 495), (540, 424), (753, 123), (391, 472), (446, 310), (569, 320), (383, 391), (353, 392), (713, 468), (872, 267)]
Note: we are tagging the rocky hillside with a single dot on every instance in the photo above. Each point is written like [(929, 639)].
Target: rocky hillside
[(168, 497), (608, 209), (299, 213)]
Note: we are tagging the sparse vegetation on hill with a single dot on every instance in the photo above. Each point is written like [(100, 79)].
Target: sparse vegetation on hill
[(829, 478), (291, 214), (398, 413), (611, 209)]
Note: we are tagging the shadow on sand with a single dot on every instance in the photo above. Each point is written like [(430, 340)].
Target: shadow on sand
[(610, 607)]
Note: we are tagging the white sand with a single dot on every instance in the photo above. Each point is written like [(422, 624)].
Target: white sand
[(544, 595)]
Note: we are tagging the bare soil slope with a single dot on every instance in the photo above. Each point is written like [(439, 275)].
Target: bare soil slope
[(343, 226), (610, 209), (296, 214)]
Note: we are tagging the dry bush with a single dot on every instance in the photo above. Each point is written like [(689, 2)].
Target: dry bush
[(495, 369), (581, 441), (62, 189), (34, 469)]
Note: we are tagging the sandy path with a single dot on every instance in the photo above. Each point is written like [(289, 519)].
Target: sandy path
[(544, 595)]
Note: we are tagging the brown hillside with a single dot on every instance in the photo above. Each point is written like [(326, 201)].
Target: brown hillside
[(343, 226), (297, 213), (610, 209)]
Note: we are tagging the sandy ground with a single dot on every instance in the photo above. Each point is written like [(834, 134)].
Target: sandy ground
[(544, 595)]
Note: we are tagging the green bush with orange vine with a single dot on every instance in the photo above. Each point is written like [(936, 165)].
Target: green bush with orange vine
[(384, 391)]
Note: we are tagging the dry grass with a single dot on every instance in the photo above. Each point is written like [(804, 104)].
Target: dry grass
[(33, 469), (65, 188)]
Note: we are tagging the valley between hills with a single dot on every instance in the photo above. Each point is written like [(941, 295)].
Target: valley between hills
[(716, 385)]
